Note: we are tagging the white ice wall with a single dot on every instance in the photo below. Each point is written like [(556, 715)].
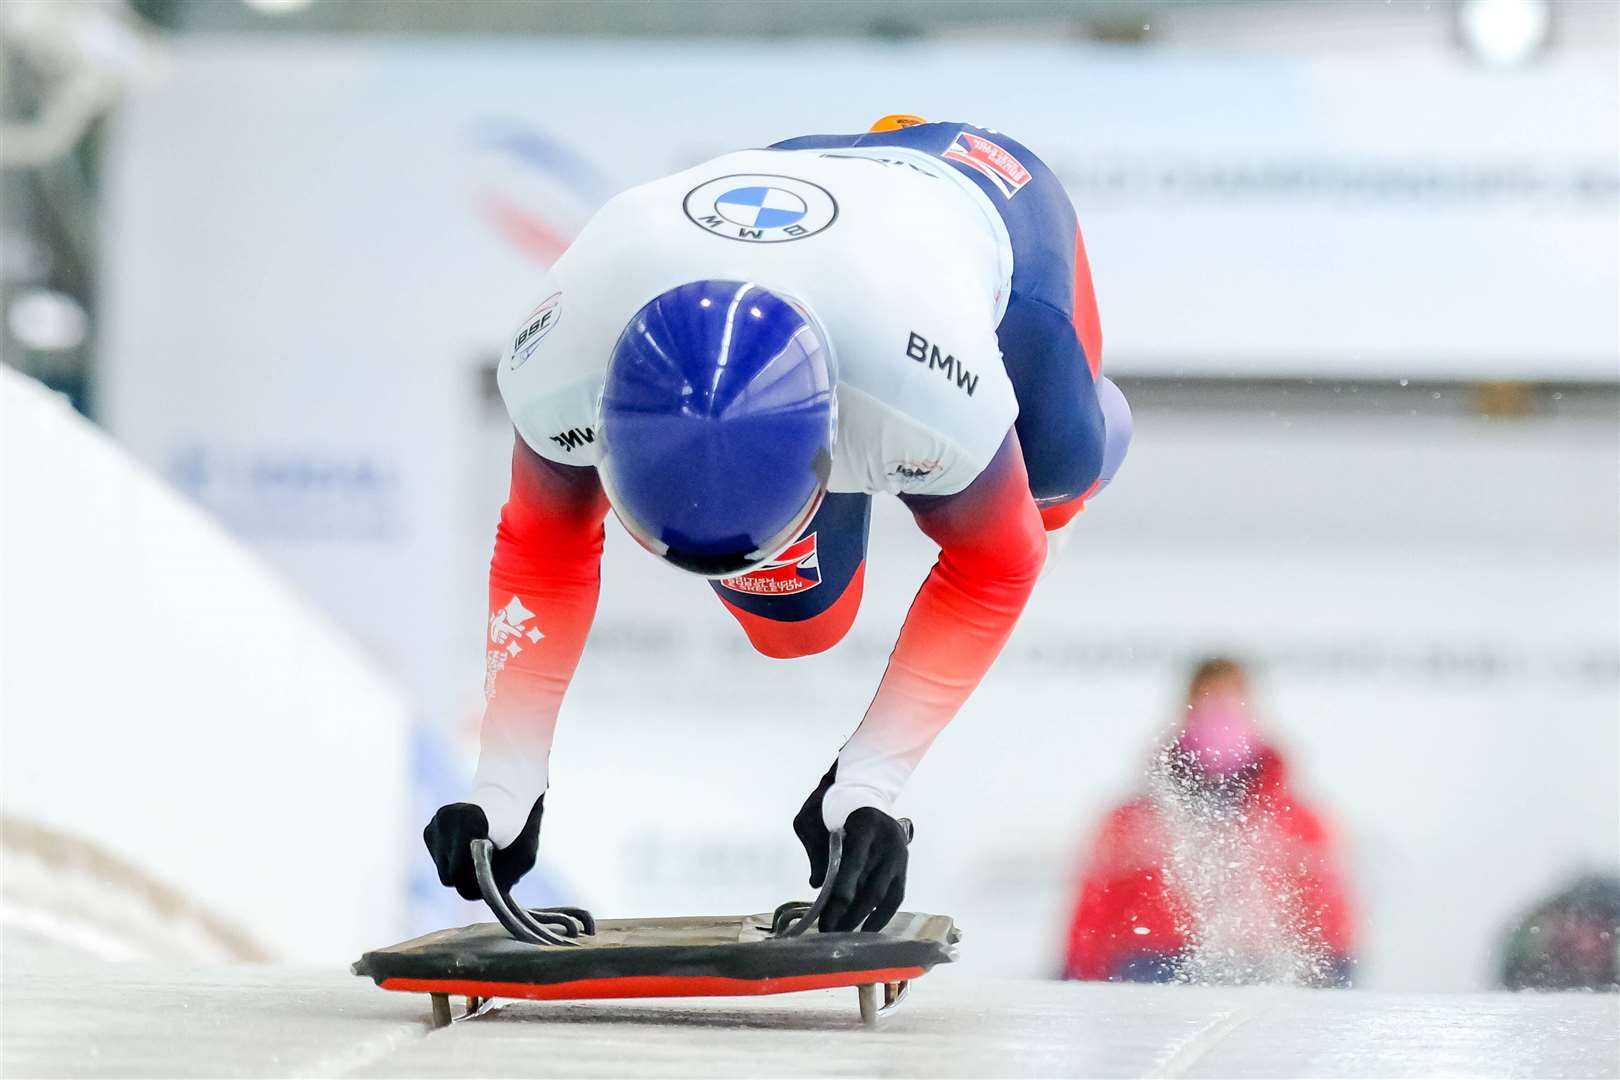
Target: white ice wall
[(165, 695)]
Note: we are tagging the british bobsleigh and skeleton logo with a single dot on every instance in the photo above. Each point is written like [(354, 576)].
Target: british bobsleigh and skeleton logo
[(796, 570)]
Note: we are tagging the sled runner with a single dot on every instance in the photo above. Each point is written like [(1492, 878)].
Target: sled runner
[(559, 954)]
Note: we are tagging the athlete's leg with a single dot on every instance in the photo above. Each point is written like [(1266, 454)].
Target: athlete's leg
[(1117, 427), (1073, 424), (804, 601), (1060, 421), (1075, 458)]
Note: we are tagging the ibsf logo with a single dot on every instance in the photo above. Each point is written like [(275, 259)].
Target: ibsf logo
[(794, 571), (1006, 172), (540, 322)]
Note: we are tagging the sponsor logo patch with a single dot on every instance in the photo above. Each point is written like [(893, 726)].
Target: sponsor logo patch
[(574, 438), (924, 352), (541, 321), (910, 472), (794, 571), (508, 629), (760, 208), (1006, 172)]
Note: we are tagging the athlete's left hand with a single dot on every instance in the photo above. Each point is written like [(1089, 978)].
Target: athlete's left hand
[(871, 878)]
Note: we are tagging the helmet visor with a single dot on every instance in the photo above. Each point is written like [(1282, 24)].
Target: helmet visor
[(716, 567), (708, 564)]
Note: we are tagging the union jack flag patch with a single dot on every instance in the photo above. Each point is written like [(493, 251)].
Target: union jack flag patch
[(991, 159), (794, 571)]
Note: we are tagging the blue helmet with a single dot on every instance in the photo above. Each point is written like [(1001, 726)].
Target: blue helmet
[(717, 425)]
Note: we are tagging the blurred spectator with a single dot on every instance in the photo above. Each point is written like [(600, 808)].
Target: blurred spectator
[(1568, 941), (1216, 872)]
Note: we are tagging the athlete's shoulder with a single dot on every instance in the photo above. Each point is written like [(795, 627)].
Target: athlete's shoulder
[(547, 377), (929, 136), (555, 359)]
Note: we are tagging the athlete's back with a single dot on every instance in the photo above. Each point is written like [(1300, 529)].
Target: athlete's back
[(901, 262)]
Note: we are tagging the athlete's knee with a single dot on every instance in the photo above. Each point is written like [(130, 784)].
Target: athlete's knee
[(784, 640), (791, 641), (1066, 458), (1066, 486), (1117, 428)]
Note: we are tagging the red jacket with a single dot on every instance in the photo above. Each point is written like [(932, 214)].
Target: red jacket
[(1161, 878)]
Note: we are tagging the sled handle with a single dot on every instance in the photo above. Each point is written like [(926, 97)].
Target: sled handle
[(835, 854), (518, 922)]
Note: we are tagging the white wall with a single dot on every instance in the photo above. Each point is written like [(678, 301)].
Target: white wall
[(166, 696)]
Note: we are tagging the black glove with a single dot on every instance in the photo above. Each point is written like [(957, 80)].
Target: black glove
[(449, 838), (812, 831), (871, 879)]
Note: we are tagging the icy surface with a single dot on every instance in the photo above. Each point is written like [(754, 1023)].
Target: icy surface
[(94, 1019)]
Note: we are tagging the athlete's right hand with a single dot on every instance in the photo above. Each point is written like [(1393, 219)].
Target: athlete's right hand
[(449, 838)]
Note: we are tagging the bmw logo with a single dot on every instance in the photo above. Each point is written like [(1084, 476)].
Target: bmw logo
[(760, 208)]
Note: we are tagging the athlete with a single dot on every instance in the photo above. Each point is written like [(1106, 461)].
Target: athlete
[(734, 360)]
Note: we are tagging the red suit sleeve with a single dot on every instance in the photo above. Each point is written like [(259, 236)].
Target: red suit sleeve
[(543, 585), (992, 547)]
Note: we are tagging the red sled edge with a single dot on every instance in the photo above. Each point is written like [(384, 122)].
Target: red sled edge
[(649, 986)]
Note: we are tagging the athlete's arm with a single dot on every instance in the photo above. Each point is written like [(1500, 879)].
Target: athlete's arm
[(992, 546), (548, 556)]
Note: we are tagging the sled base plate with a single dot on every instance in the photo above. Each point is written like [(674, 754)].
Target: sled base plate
[(709, 956)]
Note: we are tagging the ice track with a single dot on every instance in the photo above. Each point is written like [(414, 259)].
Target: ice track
[(95, 1019)]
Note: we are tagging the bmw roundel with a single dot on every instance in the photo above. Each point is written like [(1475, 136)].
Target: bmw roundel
[(760, 208)]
